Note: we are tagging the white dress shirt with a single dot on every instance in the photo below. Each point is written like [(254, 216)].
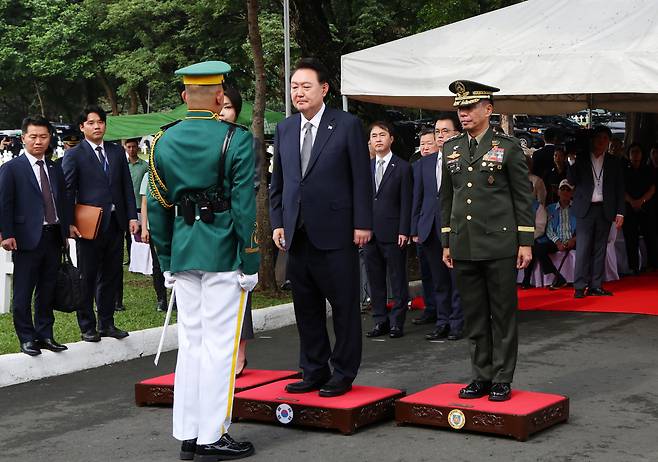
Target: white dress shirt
[(37, 173), (439, 170), (93, 148), (315, 123), (597, 172)]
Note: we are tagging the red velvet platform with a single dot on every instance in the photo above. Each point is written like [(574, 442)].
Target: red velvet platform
[(359, 407), (160, 390), (525, 413)]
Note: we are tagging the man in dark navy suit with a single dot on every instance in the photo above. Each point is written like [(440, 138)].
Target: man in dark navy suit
[(386, 253), (34, 217), (597, 203), (321, 211), (426, 230), (97, 174)]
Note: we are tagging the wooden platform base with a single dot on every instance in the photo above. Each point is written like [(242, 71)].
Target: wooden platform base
[(358, 407), (524, 414), (160, 390)]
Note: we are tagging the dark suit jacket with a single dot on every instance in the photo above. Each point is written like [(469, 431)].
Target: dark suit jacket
[(542, 160), (335, 195), (426, 211), (581, 176), (21, 203), (86, 183), (392, 202)]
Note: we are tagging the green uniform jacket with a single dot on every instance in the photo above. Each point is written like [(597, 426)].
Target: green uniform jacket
[(486, 202), (186, 158)]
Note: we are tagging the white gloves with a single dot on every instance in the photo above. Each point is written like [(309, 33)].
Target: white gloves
[(247, 281), (168, 280)]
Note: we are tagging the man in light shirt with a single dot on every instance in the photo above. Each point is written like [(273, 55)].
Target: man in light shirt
[(598, 202)]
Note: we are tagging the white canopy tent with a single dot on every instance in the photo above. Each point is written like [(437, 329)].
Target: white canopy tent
[(546, 56)]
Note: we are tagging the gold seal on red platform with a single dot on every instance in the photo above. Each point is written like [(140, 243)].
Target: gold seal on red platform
[(456, 419)]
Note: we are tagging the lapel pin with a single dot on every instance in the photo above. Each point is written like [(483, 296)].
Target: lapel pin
[(330, 127)]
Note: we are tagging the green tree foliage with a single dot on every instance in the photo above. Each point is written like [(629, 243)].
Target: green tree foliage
[(56, 55)]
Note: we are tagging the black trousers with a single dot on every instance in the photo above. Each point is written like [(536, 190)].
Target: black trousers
[(489, 298), (158, 277), (593, 231), (541, 253), (448, 302), (100, 261), (35, 272), (428, 284), (636, 223), (316, 275), (382, 259)]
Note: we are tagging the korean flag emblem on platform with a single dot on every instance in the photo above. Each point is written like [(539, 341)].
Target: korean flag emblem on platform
[(284, 414)]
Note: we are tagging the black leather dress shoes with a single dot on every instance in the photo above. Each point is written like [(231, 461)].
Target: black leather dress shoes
[(113, 332), (558, 283), (381, 328), (119, 307), (500, 392), (30, 348), (334, 388), (475, 389), (161, 306), (396, 332), (438, 333), (599, 292), (90, 336), (579, 293), (456, 335), (226, 448), (187, 449), (52, 345), (424, 320), (305, 386)]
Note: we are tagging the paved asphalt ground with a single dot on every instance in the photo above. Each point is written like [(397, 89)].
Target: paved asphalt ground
[(606, 363)]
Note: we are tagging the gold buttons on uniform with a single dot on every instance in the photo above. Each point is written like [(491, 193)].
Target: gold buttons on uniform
[(468, 217), (469, 184), (504, 229), (484, 164), (470, 169), (468, 201)]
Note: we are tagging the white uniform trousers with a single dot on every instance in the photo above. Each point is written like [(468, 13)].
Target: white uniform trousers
[(210, 313)]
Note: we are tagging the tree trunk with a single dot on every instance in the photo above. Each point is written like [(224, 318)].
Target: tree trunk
[(109, 92), (134, 102), (266, 274), (43, 110)]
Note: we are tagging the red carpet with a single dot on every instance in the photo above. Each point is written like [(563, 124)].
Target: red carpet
[(358, 396), (632, 294), (447, 395)]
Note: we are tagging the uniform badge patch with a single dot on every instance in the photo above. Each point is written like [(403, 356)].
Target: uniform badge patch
[(284, 414), (495, 154), (456, 419), (454, 155)]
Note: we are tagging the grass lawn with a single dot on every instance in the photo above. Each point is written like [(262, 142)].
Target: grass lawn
[(140, 302)]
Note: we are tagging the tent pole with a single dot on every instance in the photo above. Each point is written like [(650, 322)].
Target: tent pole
[(345, 104), (589, 110), (286, 55)]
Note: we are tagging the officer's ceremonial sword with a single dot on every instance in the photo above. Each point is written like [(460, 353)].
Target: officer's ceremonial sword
[(170, 308)]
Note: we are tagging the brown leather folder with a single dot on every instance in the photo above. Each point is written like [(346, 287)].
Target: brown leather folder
[(88, 220)]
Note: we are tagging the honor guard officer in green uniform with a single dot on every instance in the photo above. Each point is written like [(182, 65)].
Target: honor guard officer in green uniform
[(487, 230), (202, 212)]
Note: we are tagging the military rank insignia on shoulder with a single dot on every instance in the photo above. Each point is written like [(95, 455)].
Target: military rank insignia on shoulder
[(456, 136)]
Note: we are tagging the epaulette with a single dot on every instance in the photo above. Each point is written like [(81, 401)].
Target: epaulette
[(504, 135), (456, 136), (169, 125), (243, 127)]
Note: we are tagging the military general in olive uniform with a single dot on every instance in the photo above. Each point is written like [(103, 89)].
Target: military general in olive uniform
[(202, 210), (487, 232)]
